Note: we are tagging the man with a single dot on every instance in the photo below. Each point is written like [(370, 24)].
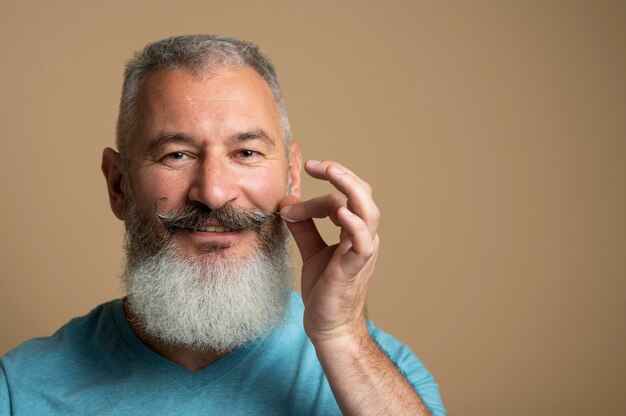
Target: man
[(207, 181)]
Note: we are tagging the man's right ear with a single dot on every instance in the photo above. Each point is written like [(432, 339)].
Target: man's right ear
[(111, 167)]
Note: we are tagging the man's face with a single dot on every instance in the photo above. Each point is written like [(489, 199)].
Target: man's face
[(213, 141)]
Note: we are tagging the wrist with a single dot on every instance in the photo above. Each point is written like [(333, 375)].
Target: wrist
[(342, 342)]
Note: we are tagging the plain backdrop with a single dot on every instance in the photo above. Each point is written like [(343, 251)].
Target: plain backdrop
[(492, 132)]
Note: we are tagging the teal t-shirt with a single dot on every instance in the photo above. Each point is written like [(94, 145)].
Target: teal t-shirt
[(96, 365)]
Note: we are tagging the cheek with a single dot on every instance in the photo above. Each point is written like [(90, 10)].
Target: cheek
[(266, 190), (149, 188)]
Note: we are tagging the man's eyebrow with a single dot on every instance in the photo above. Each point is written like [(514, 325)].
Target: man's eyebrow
[(259, 134), (167, 139)]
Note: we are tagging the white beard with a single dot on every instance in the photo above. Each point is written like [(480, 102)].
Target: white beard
[(217, 305)]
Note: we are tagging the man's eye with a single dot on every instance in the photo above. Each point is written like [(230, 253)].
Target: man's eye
[(246, 153), (175, 156)]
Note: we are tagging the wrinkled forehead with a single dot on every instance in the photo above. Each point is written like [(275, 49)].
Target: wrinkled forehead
[(228, 99)]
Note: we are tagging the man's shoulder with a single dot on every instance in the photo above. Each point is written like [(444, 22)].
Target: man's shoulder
[(54, 374), (75, 337)]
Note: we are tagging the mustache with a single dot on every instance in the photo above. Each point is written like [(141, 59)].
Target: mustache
[(227, 216)]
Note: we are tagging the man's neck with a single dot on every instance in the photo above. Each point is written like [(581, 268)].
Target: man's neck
[(189, 358)]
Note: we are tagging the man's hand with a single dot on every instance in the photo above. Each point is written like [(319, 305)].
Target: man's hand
[(336, 278), (335, 281)]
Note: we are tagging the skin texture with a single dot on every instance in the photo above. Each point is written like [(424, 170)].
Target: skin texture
[(217, 140)]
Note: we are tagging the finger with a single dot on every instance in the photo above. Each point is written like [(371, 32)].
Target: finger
[(360, 200), (319, 207), (318, 170), (358, 191), (305, 233), (287, 201), (356, 239), (355, 232)]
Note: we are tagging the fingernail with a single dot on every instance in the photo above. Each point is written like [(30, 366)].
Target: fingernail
[(313, 162), (286, 211)]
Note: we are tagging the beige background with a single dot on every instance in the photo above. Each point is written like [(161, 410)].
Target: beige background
[(493, 133)]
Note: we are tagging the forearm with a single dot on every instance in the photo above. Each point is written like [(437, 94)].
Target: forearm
[(364, 380)]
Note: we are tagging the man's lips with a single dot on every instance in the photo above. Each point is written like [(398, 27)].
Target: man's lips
[(211, 229), (211, 232)]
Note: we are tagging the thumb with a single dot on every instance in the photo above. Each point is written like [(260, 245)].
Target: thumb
[(305, 233)]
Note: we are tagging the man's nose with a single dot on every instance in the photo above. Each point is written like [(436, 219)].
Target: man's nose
[(213, 184)]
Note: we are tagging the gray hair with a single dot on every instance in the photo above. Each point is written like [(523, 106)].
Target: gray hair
[(201, 54)]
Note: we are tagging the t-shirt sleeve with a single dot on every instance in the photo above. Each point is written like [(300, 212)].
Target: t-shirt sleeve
[(5, 403), (412, 368)]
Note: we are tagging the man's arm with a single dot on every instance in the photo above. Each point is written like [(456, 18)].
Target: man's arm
[(335, 281)]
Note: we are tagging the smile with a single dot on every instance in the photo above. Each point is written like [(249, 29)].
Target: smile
[(213, 229)]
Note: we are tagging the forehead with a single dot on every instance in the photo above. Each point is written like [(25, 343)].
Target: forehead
[(221, 83), (223, 102)]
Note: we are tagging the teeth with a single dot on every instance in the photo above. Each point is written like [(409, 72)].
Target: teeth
[(213, 229)]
